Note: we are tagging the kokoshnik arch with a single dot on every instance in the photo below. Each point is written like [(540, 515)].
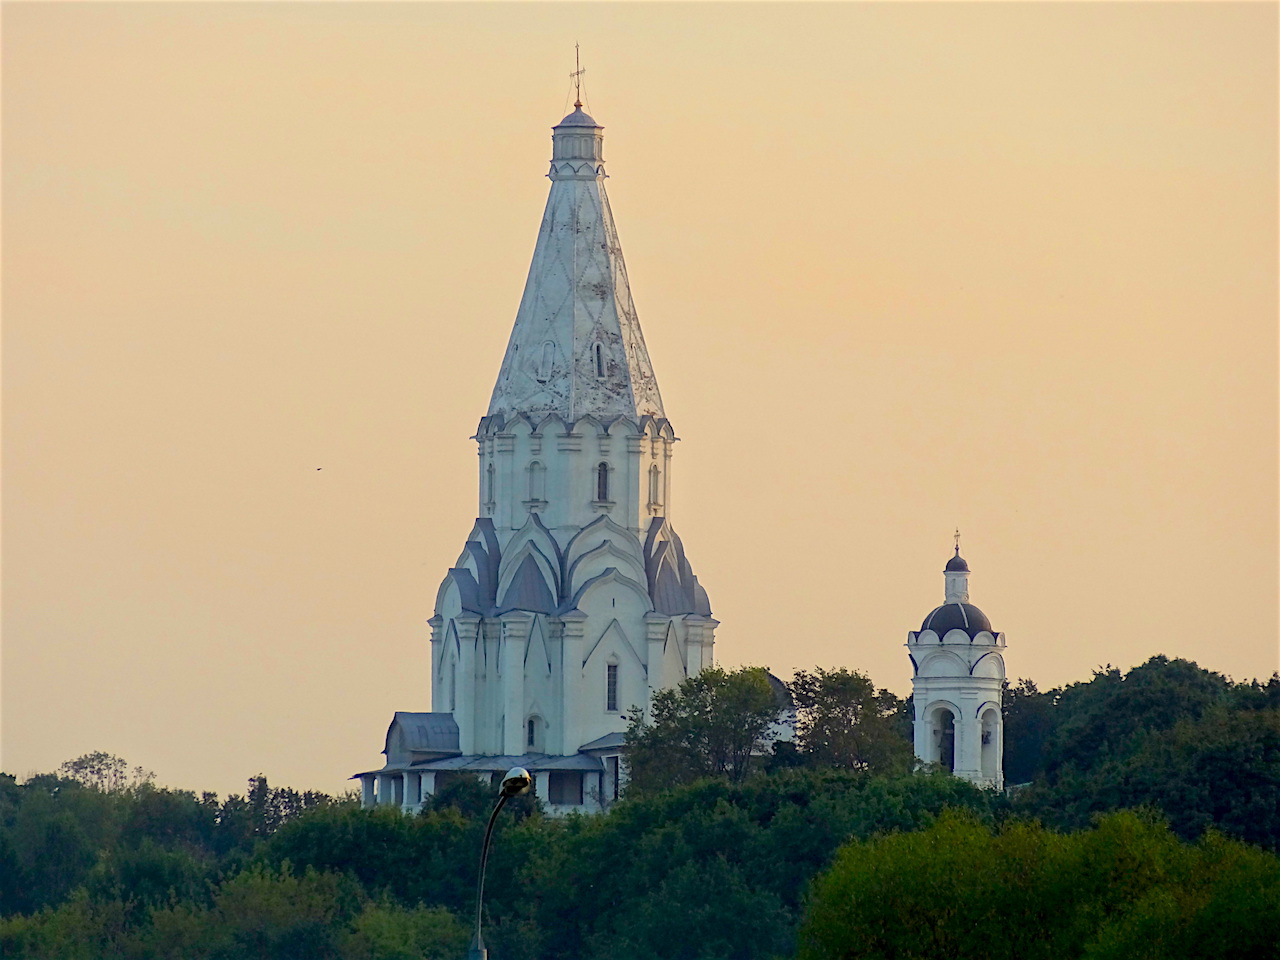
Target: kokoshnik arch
[(573, 601)]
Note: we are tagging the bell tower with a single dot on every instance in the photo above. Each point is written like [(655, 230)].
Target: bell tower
[(957, 663)]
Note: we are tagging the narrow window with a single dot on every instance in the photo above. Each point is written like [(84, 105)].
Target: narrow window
[(546, 361), (655, 478), (602, 482), (611, 687), (453, 686), (612, 776), (532, 735), (490, 485), (599, 352)]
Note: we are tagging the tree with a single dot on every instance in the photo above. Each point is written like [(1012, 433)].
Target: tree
[(1102, 716), (1167, 734), (713, 725), (759, 843), (1221, 770), (388, 931), (1029, 719), (961, 891), (843, 721), (104, 771), (259, 913)]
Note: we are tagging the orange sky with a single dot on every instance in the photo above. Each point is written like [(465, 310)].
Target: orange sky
[(901, 267)]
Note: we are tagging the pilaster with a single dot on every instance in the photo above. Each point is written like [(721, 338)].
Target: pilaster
[(572, 652), (438, 696), (515, 638), (656, 626), (470, 665), (412, 790)]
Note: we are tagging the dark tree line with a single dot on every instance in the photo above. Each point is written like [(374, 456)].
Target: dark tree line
[(1169, 735), (713, 850)]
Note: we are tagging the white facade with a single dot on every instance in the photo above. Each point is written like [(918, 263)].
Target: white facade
[(572, 600), (958, 672)]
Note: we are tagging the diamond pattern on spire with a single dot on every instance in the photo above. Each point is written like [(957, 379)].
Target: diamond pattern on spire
[(577, 298)]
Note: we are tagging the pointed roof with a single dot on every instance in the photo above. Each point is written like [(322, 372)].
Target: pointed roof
[(576, 348)]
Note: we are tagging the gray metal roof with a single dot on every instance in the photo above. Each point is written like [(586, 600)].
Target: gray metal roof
[(501, 764), (578, 119), (610, 741), (425, 732)]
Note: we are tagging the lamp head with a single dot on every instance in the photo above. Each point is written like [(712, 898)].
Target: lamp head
[(516, 782)]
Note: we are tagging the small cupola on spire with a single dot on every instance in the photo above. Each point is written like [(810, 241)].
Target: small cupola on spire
[(577, 147), (957, 577)]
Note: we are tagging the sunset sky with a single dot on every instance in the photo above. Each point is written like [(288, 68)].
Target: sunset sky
[(901, 267)]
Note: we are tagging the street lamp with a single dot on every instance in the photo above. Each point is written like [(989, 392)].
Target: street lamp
[(516, 782)]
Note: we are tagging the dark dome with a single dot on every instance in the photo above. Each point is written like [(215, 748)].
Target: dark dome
[(957, 564), (957, 616), (577, 119), (781, 693)]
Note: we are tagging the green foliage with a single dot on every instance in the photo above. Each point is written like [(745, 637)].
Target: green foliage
[(387, 931), (1170, 735), (711, 853), (1221, 770), (1106, 714), (844, 722), (711, 869), (958, 890), (429, 858), (54, 832), (78, 929), (1029, 717), (259, 913), (105, 772), (714, 724)]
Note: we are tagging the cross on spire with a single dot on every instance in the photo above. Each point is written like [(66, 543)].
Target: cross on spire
[(957, 541), (576, 77)]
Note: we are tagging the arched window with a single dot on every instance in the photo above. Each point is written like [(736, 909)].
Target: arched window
[(490, 485), (453, 686), (602, 481), (546, 361), (944, 733), (537, 481), (598, 350), (655, 485), (990, 745), (531, 733)]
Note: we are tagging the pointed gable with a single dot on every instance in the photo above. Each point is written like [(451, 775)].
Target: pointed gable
[(528, 590)]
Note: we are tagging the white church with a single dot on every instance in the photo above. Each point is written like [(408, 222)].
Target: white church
[(572, 600)]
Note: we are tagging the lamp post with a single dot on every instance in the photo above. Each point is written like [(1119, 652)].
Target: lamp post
[(516, 782)]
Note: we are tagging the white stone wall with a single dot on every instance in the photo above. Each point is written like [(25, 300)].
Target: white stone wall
[(964, 677), (549, 467)]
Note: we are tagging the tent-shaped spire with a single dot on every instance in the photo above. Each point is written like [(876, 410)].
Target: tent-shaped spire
[(576, 348)]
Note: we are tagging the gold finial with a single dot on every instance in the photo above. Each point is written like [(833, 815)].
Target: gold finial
[(957, 541), (576, 77)]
